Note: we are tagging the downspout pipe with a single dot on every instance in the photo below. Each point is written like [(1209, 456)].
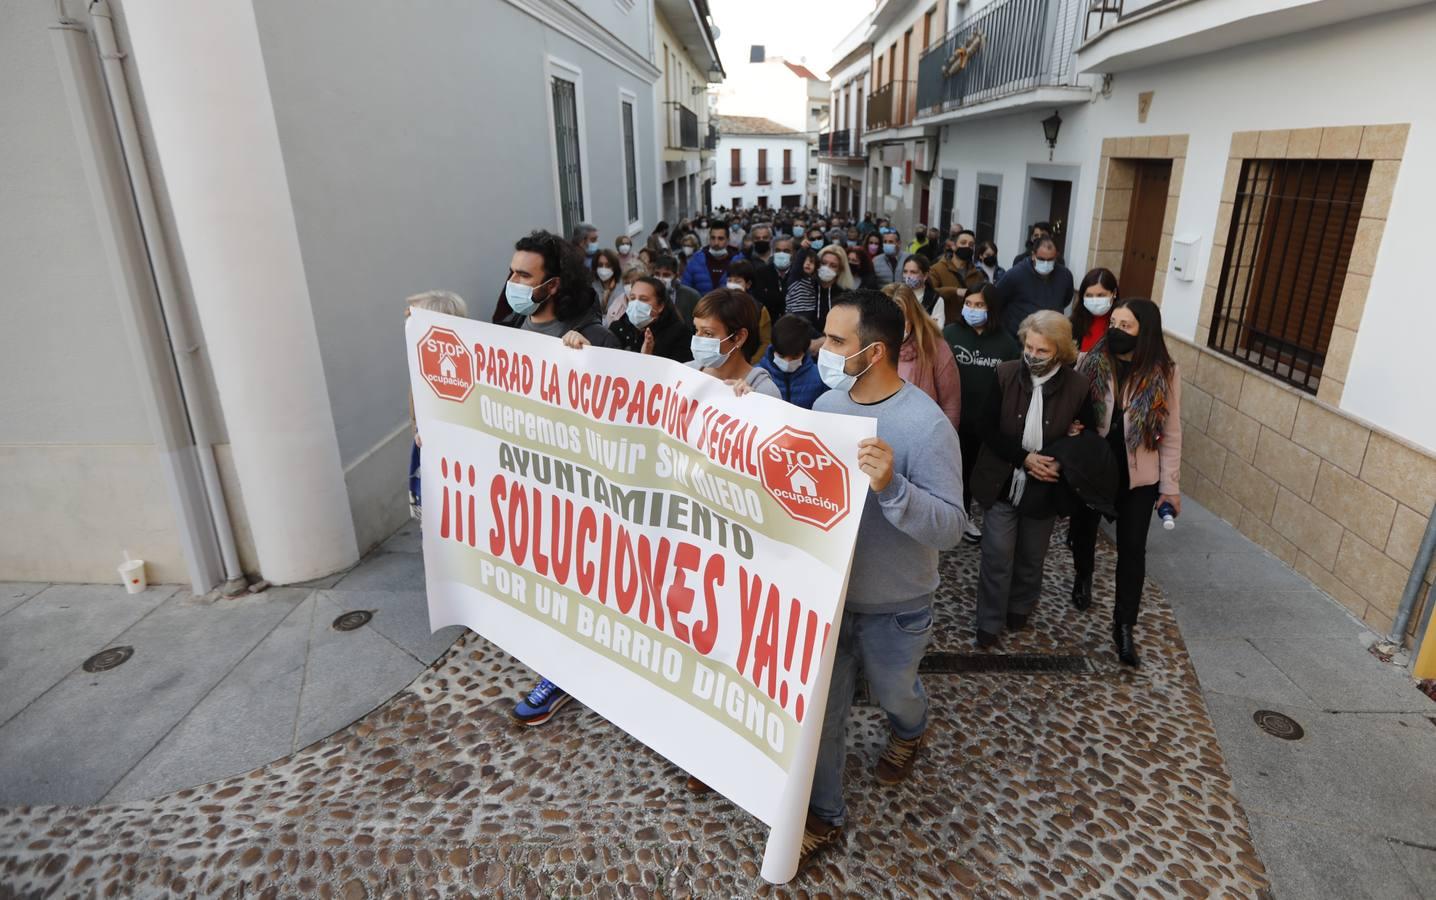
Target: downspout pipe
[(1415, 580), (185, 346)]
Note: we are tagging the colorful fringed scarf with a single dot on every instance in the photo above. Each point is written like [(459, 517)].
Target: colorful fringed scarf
[(1146, 399)]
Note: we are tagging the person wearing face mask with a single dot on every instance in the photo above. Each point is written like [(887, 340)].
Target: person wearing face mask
[(913, 511), (790, 365), (986, 254), (688, 247), (1035, 401), (585, 238), (925, 360), (769, 279), (1136, 390), (1038, 231), (682, 297), (888, 264), (930, 245), (608, 286), (813, 297), (740, 278), (651, 325), (979, 347), (725, 335), (939, 303), (873, 245), (626, 257), (1037, 283), (700, 229), (658, 238), (1092, 309), (549, 291), (708, 268), (861, 265)]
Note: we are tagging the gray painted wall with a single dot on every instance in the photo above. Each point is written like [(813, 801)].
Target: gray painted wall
[(417, 144)]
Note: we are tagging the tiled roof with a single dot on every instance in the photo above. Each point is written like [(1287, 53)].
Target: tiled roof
[(801, 71), (752, 125)]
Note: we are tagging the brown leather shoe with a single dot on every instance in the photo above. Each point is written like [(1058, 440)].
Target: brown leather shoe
[(817, 834), (697, 787), (896, 763)]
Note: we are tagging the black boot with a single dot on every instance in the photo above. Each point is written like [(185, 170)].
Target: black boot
[(1126, 646), (1082, 592)]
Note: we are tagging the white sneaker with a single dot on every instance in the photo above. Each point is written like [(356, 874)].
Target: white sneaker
[(971, 534)]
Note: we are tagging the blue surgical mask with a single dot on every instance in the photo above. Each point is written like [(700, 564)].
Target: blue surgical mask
[(1098, 304), (817, 243), (707, 351), (787, 365), (639, 313), (782, 260), (591, 249), (717, 252), (521, 297), (974, 317), (797, 232), (890, 249), (912, 281), (832, 368), (1044, 266)]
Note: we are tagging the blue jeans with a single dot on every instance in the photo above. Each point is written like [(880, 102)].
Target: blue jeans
[(889, 647)]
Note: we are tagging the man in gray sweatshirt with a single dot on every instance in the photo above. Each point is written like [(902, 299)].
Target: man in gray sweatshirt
[(915, 509)]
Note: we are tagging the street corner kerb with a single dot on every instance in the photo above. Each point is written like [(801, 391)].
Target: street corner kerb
[(804, 477), (446, 363)]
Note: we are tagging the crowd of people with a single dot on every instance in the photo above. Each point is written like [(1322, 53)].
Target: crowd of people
[(1031, 393)]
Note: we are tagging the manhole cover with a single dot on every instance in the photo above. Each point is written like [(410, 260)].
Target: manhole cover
[(1004, 663), (353, 619), (108, 659), (1278, 725)]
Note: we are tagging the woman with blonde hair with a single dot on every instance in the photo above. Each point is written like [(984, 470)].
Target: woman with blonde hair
[(1034, 401), (812, 298), (926, 360)]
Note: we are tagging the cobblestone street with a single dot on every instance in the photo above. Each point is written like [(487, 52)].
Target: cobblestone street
[(1107, 784)]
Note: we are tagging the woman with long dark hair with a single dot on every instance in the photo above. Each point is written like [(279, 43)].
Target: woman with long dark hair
[(1092, 310), (861, 265), (1136, 395)]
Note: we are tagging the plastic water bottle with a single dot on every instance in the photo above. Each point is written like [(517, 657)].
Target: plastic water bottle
[(1168, 514)]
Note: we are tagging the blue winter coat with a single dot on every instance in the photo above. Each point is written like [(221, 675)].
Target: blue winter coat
[(800, 388), (696, 276)]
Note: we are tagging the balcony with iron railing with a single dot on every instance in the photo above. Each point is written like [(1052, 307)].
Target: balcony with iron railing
[(892, 106), (1005, 48), (836, 144), (737, 177), (682, 127), (710, 141), (764, 175)]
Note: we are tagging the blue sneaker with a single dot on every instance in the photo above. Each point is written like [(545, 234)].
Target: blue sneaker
[(542, 702)]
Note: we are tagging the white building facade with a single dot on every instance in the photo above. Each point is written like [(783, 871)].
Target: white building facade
[(218, 220), (690, 64), (1209, 155), (842, 166), (761, 163)]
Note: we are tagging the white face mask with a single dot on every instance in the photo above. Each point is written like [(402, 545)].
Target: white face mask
[(736, 286), (1098, 305), (603, 272), (832, 368), (827, 274), (787, 365), (667, 281), (639, 313), (1044, 266), (708, 352), (625, 249)]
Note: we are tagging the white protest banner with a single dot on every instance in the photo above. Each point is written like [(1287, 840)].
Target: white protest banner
[(673, 556)]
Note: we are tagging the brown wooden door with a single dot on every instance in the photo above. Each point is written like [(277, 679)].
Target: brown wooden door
[(1144, 227)]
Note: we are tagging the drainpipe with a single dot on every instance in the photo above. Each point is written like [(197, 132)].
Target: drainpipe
[(1414, 581), (183, 343), (121, 243)]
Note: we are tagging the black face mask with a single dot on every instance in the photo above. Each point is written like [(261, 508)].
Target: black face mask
[(1120, 342), (762, 247), (990, 259), (964, 254)]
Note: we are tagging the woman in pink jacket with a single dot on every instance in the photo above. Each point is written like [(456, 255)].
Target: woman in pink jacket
[(926, 359), (1136, 391)]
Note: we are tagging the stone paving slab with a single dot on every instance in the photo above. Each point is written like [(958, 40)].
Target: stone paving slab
[(1321, 862), (1110, 784), (13, 593), (53, 632)]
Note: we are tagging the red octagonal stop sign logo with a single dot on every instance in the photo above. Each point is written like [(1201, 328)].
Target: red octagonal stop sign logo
[(446, 363), (804, 477)]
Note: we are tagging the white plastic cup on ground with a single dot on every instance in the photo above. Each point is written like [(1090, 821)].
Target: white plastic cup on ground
[(132, 575)]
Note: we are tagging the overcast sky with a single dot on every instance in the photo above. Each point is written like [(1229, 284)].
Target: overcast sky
[(792, 29)]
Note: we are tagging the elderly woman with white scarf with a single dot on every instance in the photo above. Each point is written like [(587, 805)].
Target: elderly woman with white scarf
[(1035, 401)]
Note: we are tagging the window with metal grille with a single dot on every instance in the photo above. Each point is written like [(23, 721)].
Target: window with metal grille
[(986, 225), (1293, 225), (630, 161), (570, 174)]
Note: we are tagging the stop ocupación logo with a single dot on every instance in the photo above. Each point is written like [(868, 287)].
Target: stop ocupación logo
[(446, 363), (804, 477)]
